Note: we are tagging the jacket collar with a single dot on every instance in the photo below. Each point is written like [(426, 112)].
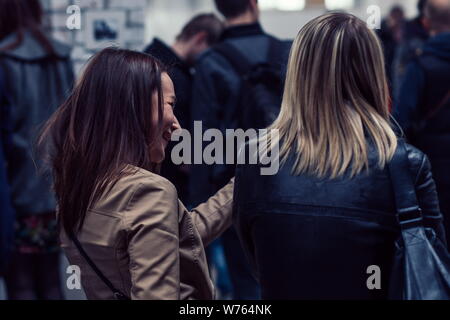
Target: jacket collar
[(243, 30), (162, 52), (165, 54)]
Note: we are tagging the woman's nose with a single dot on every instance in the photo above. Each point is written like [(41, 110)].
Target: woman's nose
[(175, 125)]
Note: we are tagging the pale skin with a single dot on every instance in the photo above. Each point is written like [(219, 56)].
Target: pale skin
[(189, 50), (169, 121)]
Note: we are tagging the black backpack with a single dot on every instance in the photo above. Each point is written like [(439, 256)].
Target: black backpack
[(262, 85)]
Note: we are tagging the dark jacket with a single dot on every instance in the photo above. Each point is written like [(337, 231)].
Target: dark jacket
[(311, 238), (426, 85), (181, 75), (426, 82), (216, 96), (37, 85), (415, 36), (6, 210)]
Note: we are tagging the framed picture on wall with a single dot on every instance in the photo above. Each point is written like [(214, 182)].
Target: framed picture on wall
[(104, 28)]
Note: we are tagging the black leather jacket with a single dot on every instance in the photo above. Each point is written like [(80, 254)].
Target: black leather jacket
[(311, 238)]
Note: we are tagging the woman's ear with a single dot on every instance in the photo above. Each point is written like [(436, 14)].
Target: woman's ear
[(200, 37), (254, 8)]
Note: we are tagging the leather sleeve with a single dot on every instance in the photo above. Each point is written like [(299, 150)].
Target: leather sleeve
[(213, 217), (151, 219), (427, 195)]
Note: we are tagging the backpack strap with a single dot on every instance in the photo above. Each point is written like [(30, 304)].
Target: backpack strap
[(436, 109), (239, 61), (276, 51), (117, 293)]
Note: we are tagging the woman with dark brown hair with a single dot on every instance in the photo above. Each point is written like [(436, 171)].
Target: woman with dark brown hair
[(37, 74), (121, 222)]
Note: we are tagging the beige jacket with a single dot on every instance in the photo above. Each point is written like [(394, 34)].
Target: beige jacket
[(146, 243)]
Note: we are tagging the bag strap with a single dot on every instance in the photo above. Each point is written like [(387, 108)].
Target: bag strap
[(117, 293), (408, 209), (238, 60), (276, 52), (436, 109)]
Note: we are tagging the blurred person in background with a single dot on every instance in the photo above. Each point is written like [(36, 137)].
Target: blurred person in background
[(216, 101), (6, 210), (312, 229), (392, 35), (415, 34), (423, 109), (38, 76), (199, 34)]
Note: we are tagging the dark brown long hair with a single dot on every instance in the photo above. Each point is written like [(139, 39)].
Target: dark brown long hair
[(104, 126), (20, 16)]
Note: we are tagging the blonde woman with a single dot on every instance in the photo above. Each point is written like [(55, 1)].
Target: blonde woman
[(313, 230)]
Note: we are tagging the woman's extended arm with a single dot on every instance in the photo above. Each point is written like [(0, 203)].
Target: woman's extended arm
[(213, 217)]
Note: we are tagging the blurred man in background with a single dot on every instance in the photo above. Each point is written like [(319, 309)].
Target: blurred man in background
[(217, 94), (38, 75), (415, 34), (423, 109), (197, 35), (392, 34)]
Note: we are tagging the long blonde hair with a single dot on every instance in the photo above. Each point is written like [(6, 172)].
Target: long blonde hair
[(336, 98)]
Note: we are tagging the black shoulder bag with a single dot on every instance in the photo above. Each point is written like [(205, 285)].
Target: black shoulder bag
[(117, 293), (421, 268)]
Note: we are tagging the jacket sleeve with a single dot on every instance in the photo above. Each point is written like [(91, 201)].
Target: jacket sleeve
[(428, 199), (153, 243), (213, 217)]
